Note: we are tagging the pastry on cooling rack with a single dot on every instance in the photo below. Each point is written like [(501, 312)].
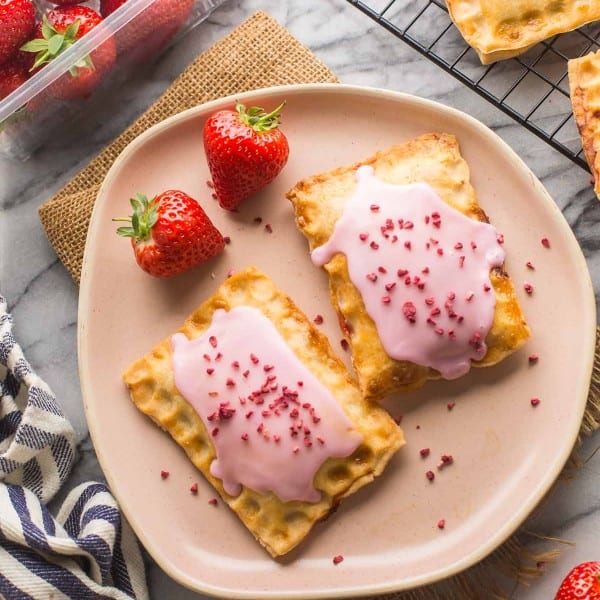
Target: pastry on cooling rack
[(499, 29), (254, 394), (584, 84), (415, 270)]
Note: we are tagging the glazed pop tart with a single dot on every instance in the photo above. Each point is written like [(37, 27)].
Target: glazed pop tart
[(254, 394), (416, 271)]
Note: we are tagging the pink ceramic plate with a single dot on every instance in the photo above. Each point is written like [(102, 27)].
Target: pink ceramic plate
[(506, 452)]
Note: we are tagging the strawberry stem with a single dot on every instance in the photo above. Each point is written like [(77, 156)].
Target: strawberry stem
[(144, 217), (256, 117)]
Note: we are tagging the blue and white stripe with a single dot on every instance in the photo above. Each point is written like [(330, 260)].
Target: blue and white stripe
[(87, 551)]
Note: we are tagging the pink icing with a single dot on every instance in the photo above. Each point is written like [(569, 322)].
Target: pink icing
[(422, 269), (272, 422)]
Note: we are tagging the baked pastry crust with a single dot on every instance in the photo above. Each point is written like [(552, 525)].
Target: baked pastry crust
[(279, 526), (498, 29), (584, 84), (319, 202)]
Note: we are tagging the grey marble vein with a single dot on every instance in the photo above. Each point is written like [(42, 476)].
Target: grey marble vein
[(43, 297)]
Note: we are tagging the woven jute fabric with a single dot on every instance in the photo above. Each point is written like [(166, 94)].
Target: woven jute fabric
[(260, 53)]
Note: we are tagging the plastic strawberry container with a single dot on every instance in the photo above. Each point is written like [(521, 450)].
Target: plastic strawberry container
[(32, 114)]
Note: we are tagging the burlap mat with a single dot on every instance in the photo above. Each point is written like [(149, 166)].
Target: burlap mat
[(260, 53)]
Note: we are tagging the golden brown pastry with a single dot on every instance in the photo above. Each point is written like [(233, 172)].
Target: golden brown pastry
[(418, 287), (500, 29), (584, 83), (254, 394)]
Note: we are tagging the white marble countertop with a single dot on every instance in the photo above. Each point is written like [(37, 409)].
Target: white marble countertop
[(43, 298)]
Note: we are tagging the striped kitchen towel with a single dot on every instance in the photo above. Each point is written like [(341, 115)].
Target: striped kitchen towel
[(87, 551)]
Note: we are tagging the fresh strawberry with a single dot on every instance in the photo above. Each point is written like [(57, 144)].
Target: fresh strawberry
[(58, 31), (152, 29), (12, 75), (245, 150), (170, 233), (17, 20), (581, 583)]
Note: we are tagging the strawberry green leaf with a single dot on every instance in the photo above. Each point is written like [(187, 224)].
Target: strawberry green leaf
[(47, 30), (55, 44), (71, 31), (35, 45), (125, 231)]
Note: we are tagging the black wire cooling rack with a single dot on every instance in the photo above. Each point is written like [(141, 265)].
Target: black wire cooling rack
[(532, 88)]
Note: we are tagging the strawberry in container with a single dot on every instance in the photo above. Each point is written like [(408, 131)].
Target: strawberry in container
[(152, 30), (58, 30), (17, 20)]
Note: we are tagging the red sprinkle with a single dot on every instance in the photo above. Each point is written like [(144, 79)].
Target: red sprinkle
[(407, 244), (374, 207), (258, 220), (451, 405), (268, 228), (546, 242), (318, 319), (194, 488), (386, 299), (445, 459), (338, 559), (535, 401), (533, 358), (363, 237), (529, 265), (215, 432), (424, 452), (210, 184), (528, 288), (382, 270), (390, 286), (213, 501), (213, 341), (441, 523), (440, 251), (500, 238), (227, 239), (374, 245), (344, 344), (430, 475), (410, 312), (244, 436), (210, 371), (164, 474)]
